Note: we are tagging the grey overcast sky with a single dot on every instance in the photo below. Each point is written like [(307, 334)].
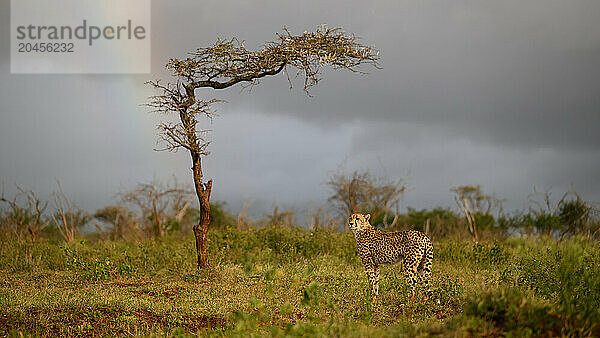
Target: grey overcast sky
[(505, 94)]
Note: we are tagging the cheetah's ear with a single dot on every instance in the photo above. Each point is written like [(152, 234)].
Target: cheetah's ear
[(367, 217)]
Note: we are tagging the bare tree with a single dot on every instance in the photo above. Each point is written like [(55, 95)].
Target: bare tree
[(227, 63), (25, 215), (67, 218), (158, 201), (349, 193), (364, 192)]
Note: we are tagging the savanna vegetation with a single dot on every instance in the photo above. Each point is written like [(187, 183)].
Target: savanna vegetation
[(532, 273), (141, 266)]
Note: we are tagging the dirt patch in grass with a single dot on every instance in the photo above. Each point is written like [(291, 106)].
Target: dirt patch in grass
[(98, 321), (128, 284), (170, 293), (189, 323)]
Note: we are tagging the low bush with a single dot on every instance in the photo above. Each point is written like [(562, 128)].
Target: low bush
[(486, 255)]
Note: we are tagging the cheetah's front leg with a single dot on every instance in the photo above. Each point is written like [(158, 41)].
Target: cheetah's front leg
[(373, 273)]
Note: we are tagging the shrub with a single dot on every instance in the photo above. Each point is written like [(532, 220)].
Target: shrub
[(25, 256), (219, 217), (566, 274), (515, 313), (484, 254), (443, 221), (490, 255)]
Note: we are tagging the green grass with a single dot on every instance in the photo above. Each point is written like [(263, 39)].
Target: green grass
[(292, 282)]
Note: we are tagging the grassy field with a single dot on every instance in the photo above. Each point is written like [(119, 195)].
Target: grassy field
[(279, 282)]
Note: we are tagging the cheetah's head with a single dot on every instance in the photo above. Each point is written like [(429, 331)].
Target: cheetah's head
[(358, 222)]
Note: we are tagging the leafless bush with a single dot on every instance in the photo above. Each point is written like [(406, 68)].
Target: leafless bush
[(242, 217), (286, 218), (159, 202), (321, 218), (66, 217), (363, 192), (569, 215), (24, 214), (541, 202)]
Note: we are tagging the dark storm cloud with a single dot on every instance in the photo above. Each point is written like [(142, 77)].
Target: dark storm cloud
[(504, 72), (499, 93)]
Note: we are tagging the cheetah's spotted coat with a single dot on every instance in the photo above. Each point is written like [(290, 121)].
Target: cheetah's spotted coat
[(376, 247)]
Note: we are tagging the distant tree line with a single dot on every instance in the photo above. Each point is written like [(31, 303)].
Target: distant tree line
[(157, 209), (478, 214)]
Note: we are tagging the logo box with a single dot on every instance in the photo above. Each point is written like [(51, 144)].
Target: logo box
[(80, 37)]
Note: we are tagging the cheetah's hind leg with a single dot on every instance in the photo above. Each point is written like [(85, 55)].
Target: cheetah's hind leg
[(410, 272), (424, 272)]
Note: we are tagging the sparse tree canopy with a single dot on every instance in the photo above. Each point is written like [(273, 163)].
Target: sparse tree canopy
[(227, 63), (479, 202)]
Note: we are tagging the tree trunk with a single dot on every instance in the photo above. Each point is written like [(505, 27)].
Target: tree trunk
[(33, 233), (472, 226), (201, 229), (157, 223)]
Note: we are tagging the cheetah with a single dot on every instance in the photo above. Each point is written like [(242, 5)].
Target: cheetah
[(376, 247)]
